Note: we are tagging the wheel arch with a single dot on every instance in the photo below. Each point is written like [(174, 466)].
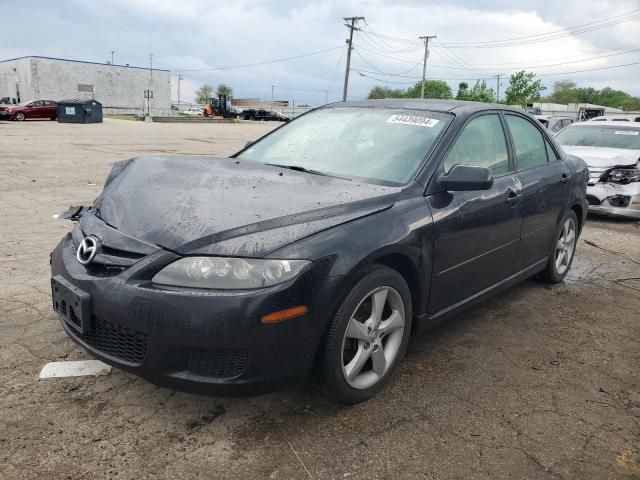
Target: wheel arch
[(579, 211), (408, 270)]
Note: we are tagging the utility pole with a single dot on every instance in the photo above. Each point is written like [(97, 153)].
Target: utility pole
[(326, 97), (150, 92), (180, 78), (351, 25), (112, 52), (272, 87), (497, 77), (426, 39)]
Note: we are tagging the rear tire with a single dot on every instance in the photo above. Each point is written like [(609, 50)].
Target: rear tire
[(562, 250), (367, 338)]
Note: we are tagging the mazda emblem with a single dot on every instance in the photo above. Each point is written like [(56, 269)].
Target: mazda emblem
[(88, 249)]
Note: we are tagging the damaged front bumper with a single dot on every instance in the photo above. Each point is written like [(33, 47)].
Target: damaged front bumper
[(615, 199)]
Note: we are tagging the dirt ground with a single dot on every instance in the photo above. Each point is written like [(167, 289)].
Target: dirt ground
[(540, 382)]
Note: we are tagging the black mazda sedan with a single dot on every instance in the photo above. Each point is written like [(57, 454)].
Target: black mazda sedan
[(318, 249)]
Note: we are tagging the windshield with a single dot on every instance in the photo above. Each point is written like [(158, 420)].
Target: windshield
[(373, 144), (600, 136)]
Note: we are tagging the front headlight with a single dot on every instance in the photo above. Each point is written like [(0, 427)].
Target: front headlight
[(625, 175), (218, 273)]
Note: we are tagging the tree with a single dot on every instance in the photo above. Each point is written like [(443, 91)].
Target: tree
[(463, 91), (613, 98), (385, 92), (204, 93), (224, 89), (564, 91), (432, 89), (478, 93), (523, 88), (586, 95)]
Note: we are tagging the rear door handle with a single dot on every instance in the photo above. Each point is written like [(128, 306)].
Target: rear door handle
[(564, 178)]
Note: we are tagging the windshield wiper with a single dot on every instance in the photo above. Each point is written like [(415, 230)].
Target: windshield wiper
[(298, 168)]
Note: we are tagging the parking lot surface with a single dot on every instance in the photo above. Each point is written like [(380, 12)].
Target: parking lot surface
[(539, 382)]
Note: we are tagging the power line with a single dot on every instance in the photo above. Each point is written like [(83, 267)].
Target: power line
[(555, 74), (539, 40), (266, 62), (568, 62), (542, 37), (380, 70), (597, 24), (560, 59), (587, 70)]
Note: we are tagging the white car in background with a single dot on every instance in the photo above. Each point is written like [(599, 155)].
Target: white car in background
[(614, 118), (612, 152), (554, 124), (194, 111)]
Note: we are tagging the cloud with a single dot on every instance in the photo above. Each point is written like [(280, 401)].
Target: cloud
[(198, 34)]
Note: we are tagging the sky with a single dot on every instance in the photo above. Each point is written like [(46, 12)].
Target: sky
[(199, 39)]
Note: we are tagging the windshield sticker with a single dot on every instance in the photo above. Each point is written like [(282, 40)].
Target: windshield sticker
[(626, 132), (413, 120)]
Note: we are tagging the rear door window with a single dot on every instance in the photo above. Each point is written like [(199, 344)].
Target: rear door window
[(528, 141), (482, 143)]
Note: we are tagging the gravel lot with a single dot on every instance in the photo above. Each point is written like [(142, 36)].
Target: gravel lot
[(539, 382)]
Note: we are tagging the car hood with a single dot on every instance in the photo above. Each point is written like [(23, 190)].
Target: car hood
[(227, 206), (602, 157)]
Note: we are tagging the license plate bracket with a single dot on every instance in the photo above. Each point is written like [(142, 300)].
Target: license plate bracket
[(71, 303)]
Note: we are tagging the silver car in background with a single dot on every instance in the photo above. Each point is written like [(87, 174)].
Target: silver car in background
[(612, 153)]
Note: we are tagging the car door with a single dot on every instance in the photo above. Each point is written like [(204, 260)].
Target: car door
[(36, 109), (544, 187), (476, 232), (49, 109)]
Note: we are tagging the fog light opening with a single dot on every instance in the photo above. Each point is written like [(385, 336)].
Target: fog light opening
[(285, 314)]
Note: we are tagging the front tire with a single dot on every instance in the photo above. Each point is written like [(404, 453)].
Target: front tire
[(563, 249), (367, 338), (20, 117)]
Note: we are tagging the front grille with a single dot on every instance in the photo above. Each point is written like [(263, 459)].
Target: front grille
[(116, 341), (221, 363), (593, 200), (109, 261)]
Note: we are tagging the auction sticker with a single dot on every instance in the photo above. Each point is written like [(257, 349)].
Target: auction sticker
[(626, 132), (413, 120)]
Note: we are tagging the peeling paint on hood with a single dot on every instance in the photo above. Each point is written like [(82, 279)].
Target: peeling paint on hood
[(229, 206)]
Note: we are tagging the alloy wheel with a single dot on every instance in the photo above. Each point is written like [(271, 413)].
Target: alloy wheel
[(565, 246), (373, 337), (20, 117)]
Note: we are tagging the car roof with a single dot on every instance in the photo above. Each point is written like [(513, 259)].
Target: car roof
[(447, 106), (608, 118), (607, 123)]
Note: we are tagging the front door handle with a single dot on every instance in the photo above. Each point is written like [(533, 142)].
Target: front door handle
[(564, 179), (513, 196)]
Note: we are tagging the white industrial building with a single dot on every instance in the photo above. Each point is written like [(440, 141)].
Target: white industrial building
[(119, 88)]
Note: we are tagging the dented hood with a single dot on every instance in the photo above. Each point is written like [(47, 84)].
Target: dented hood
[(227, 206), (602, 157)]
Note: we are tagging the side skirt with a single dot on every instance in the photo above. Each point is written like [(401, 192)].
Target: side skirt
[(425, 321)]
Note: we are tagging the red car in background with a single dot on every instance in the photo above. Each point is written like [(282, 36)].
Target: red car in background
[(36, 109)]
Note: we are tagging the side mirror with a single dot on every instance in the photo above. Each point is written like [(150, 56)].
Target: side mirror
[(462, 178), (30, 105), (248, 144)]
